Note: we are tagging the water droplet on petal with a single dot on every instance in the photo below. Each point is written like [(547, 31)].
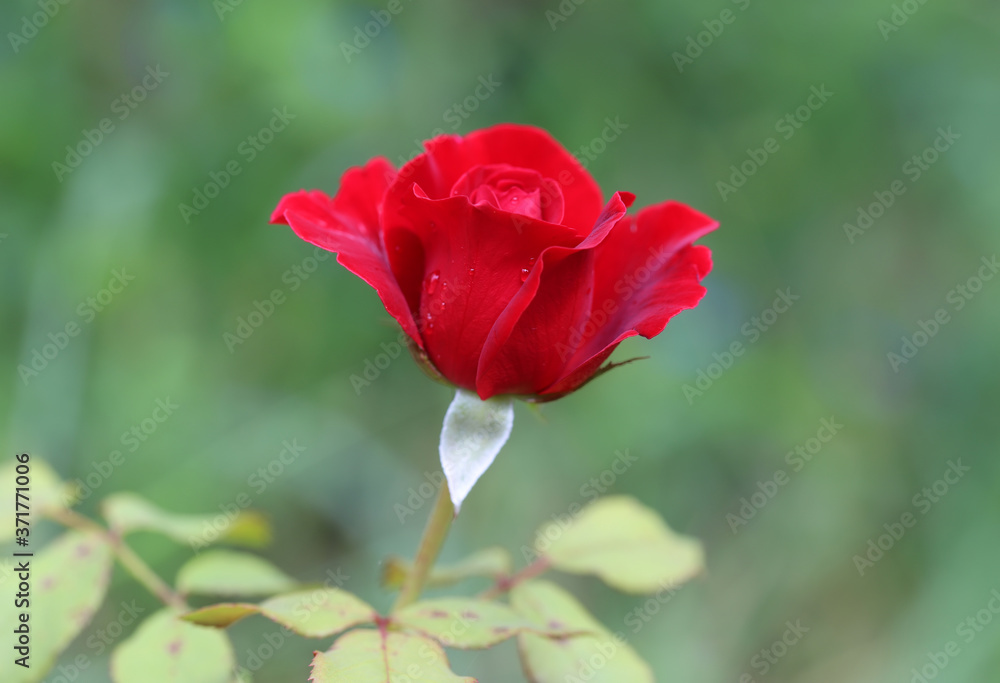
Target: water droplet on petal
[(472, 271), (525, 271), (431, 283)]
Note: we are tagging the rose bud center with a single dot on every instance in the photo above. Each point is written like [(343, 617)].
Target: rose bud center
[(515, 190)]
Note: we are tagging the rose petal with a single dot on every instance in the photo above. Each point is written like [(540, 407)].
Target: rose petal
[(678, 288), (348, 224), (648, 268), (629, 277), (477, 258), (448, 157), (515, 190), (522, 353)]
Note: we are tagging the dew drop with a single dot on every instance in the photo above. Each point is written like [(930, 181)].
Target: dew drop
[(472, 271), (525, 271), (431, 283)]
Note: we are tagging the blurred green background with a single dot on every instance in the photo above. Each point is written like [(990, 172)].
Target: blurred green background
[(225, 67)]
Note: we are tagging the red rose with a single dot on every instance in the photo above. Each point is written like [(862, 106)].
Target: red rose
[(494, 255)]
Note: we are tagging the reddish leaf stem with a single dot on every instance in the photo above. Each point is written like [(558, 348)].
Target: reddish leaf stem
[(505, 583)]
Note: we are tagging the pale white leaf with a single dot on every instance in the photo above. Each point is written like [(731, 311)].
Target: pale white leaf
[(474, 432)]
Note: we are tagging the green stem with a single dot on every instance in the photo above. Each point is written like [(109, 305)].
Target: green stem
[(430, 545), (145, 575), (132, 563)]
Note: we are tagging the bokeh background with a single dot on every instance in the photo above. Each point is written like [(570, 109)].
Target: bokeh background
[(570, 68)]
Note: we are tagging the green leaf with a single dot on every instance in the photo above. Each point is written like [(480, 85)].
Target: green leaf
[(69, 579), (311, 613), (489, 562), (466, 623), (624, 543), (600, 658), (226, 572), (127, 512), (165, 649), (47, 492), (222, 615), (369, 656)]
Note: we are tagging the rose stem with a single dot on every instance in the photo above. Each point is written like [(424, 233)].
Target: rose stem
[(430, 545), (134, 564)]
